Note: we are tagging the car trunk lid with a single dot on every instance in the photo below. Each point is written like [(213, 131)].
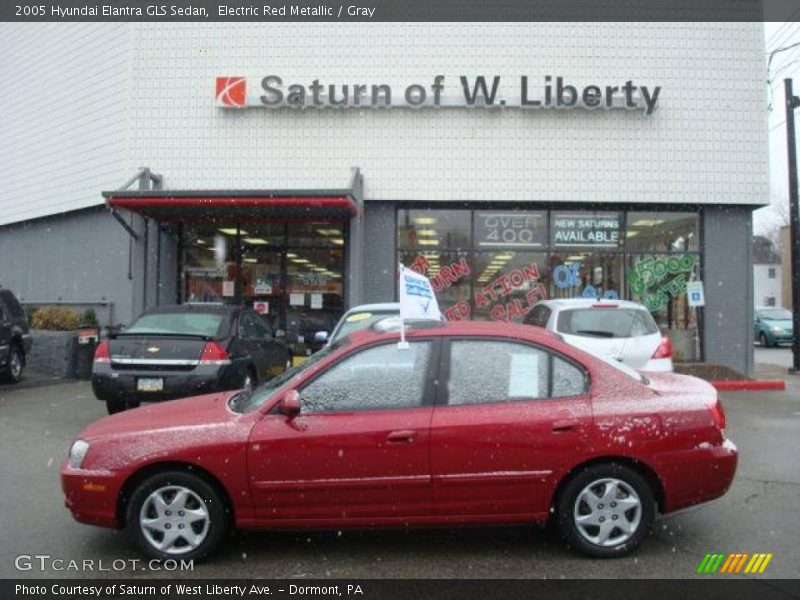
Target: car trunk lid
[(174, 352)]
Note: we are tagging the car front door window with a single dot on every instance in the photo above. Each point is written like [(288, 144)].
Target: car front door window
[(382, 377)]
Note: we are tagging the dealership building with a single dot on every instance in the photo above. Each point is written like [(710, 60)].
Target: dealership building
[(291, 167)]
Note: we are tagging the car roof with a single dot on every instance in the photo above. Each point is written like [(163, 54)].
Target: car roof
[(589, 302), (459, 328)]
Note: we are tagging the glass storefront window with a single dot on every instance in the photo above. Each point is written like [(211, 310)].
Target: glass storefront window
[(290, 273), (315, 291), (662, 232), (510, 229), (585, 229), (316, 234), (659, 282), (587, 275), (508, 284), (496, 264), (434, 230), (209, 263)]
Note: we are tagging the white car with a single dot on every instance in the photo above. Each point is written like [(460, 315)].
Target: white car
[(616, 329), (359, 317)]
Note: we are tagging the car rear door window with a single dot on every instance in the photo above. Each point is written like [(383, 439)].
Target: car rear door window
[(379, 377), (488, 371), (485, 371)]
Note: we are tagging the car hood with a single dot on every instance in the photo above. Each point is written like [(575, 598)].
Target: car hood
[(188, 413)]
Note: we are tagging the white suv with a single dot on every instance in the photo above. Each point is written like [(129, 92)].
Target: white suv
[(616, 329)]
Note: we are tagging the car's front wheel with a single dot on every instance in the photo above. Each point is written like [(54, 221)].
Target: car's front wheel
[(606, 510), (176, 515), (762, 338)]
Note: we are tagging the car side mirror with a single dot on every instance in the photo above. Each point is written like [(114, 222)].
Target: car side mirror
[(280, 333), (290, 404), (321, 337)]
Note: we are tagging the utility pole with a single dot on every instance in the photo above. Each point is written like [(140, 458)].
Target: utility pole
[(793, 102)]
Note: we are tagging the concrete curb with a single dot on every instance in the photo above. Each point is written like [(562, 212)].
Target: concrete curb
[(749, 385)]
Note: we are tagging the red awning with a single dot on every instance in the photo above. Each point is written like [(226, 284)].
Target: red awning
[(198, 206)]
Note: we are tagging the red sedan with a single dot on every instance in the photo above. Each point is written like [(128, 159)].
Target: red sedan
[(468, 424)]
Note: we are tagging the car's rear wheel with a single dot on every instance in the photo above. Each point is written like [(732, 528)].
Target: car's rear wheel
[(606, 510), (16, 363), (176, 515)]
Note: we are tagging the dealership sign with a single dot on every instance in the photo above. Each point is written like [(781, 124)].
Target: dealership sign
[(273, 91)]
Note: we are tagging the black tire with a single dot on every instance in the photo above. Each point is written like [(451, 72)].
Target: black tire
[(568, 505), (116, 405), (200, 490), (12, 373)]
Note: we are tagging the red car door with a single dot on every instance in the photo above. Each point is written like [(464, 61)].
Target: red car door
[(359, 451), (511, 419)]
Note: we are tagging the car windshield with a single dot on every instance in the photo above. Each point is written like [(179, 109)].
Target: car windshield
[(246, 401), (777, 314), (361, 320), (193, 323), (606, 322)]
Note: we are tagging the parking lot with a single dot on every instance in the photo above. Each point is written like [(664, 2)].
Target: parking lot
[(761, 513)]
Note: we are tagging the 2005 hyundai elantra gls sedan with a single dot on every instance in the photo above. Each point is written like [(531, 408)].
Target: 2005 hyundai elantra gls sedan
[(471, 423)]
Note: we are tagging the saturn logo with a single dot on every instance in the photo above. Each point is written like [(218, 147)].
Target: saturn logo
[(153, 349), (231, 91)]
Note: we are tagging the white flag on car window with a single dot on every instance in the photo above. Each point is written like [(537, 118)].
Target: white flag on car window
[(417, 299)]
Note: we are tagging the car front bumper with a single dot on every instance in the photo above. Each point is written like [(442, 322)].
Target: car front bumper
[(91, 496)]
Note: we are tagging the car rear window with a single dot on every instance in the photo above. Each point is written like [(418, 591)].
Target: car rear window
[(194, 323), (606, 322)]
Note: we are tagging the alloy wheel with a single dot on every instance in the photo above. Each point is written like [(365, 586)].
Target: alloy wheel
[(607, 512), (174, 519), (15, 364)]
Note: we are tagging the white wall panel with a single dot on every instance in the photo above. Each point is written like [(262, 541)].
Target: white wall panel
[(96, 101), (63, 115)]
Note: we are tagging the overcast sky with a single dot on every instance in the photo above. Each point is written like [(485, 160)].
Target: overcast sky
[(784, 64)]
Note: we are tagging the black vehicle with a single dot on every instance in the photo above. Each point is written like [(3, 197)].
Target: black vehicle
[(178, 351), (15, 338)]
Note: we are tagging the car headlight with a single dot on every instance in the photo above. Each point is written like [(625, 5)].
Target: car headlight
[(77, 453), (776, 328)]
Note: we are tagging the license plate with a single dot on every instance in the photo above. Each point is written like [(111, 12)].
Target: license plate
[(150, 384)]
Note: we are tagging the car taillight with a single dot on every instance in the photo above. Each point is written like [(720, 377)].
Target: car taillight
[(718, 415), (214, 354), (664, 349), (101, 353)]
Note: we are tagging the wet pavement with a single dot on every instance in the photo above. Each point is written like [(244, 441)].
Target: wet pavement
[(761, 512)]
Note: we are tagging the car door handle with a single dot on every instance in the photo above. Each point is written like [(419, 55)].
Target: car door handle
[(405, 436), (564, 425)]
